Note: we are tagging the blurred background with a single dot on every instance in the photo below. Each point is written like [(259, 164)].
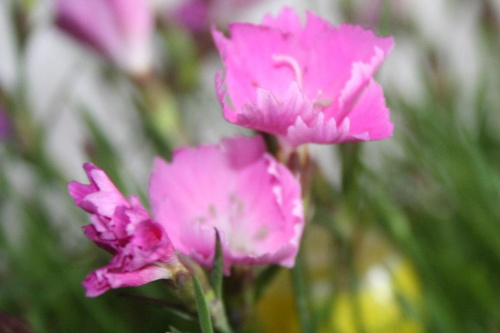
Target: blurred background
[(404, 234)]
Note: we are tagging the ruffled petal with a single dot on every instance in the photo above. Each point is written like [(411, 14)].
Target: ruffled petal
[(270, 114), (100, 196), (320, 130), (370, 114)]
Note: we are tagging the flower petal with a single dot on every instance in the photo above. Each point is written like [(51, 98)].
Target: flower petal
[(100, 196), (103, 279), (251, 199), (370, 114)]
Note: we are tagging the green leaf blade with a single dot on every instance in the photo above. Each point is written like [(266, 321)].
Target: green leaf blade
[(202, 306), (216, 276)]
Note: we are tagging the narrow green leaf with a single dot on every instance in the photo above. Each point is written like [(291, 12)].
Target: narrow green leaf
[(218, 269), (174, 308), (302, 296), (202, 306)]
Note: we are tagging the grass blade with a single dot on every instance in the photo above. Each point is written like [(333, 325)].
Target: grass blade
[(218, 269), (302, 297), (202, 306)]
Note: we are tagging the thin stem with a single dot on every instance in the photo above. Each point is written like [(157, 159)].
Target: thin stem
[(239, 296), (354, 291), (302, 295)]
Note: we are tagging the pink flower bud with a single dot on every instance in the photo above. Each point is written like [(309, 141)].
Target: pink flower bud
[(142, 251)]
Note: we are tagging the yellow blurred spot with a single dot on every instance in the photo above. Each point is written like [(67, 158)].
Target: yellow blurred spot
[(378, 306), (387, 301), (276, 309)]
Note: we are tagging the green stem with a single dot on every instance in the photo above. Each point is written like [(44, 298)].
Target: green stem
[(239, 296), (354, 290), (187, 291), (161, 112), (220, 318)]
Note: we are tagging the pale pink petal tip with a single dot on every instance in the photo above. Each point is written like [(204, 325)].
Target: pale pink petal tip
[(303, 82), (239, 189), (100, 196)]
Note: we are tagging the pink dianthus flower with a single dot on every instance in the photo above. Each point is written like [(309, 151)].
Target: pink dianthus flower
[(304, 84), (142, 251), (239, 189)]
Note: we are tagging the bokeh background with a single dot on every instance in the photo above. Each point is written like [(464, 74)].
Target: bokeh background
[(404, 234)]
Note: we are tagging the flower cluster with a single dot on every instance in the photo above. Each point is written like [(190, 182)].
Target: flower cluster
[(235, 187), (309, 83)]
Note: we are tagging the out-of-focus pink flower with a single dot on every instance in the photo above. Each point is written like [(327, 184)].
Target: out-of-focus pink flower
[(236, 187), (197, 15), (142, 251), (305, 84), (9, 323), (193, 14), (121, 30)]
